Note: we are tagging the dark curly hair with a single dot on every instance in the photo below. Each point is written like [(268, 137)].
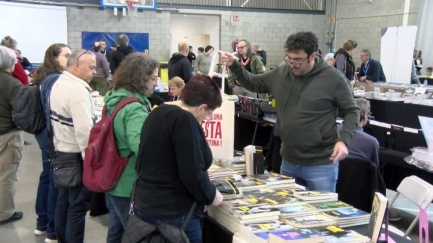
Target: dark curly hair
[(50, 63), (306, 41), (134, 72), (201, 89)]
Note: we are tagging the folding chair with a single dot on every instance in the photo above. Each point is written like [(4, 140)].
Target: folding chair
[(417, 191)]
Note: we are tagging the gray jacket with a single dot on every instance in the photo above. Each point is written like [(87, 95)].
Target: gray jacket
[(102, 67)]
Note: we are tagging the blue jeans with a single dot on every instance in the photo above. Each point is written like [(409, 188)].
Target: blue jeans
[(72, 206), (192, 230), (119, 214), (46, 198), (314, 178)]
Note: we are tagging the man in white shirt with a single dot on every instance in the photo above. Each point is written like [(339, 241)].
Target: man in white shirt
[(72, 116)]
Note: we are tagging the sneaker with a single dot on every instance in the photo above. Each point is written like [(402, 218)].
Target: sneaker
[(393, 216), (16, 216), (39, 232), (51, 239)]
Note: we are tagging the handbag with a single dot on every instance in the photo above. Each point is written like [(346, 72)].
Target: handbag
[(140, 231), (67, 170)]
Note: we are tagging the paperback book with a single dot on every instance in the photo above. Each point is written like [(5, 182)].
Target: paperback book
[(310, 221), (296, 236)]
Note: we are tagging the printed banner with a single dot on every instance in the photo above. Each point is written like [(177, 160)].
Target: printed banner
[(138, 41), (219, 131)]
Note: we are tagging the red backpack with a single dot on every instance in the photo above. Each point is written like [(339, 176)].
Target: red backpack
[(102, 163)]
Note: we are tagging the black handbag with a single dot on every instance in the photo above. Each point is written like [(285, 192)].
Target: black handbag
[(67, 170)]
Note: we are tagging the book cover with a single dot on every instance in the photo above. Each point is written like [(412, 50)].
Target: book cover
[(347, 213), (314, 195), (330, 206), (267, 226), (379, 206), (349, 236), (292, 211), (310, 221), (296, 234), (256, 211), (273, 178)]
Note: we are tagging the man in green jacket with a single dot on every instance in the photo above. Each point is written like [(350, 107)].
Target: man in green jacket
[(309, 93), (251, 62)]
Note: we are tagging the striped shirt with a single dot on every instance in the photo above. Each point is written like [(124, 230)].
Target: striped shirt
[(72, 113)]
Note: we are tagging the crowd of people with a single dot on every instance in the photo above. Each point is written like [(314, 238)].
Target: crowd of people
[(167, 152)]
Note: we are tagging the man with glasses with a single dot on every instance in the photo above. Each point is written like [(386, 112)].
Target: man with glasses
[(371, 70), (72, 116), (308, 93)]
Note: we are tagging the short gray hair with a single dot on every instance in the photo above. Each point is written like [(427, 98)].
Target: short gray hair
[(364, 107), (73, 58), (122, 40), (366, 51), (7, 58)]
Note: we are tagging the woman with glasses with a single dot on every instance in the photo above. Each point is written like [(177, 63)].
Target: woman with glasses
[(174, 158), (135, 77), (55, 60), (252, 63)]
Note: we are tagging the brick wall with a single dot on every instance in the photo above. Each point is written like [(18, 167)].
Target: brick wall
[(270, 30), (363, 20)]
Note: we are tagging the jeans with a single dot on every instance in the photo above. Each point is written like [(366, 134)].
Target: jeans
[(192, 230), (46, 198), (314, 178), (119, 214), (72, 206)]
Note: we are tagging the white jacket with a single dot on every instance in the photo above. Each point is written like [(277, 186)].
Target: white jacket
[(72, 113)]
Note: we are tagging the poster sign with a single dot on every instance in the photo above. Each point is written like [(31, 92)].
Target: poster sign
[(219, 131)]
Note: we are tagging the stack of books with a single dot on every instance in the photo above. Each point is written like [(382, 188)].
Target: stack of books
[(297, 211), (259, 232), (274, 180), (217, 172), (236, 164), (310, 221), (272, 197), (349, 217), (334, 234), (296, 236), (330, 206), (316, 196)]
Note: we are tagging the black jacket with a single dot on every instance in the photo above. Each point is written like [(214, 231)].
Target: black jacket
[(373, 71), (263, 56), (8, 92), (179, 66), (118, 55), (358, 180), (349, 66)]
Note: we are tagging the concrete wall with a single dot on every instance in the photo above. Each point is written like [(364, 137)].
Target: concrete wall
[(362, 21), (270, 30)]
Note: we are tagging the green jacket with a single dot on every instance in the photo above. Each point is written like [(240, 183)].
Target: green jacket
[(256, 65), (127, 129)]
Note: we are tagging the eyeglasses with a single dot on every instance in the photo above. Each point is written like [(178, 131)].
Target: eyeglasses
[(297, 62), (241, 47), (82, 54)]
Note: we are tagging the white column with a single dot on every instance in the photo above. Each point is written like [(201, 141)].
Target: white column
[(425, 33)]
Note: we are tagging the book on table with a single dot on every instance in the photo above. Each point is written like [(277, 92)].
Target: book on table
[(378, 210), (256, 211), (334, 234), (273, 178), (310, 221), (316, 196), (296, 211), (259, 232), (330, 206), (296, 236), (349, 217)]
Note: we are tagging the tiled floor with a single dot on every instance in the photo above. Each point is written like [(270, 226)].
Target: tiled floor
[(96, 228)]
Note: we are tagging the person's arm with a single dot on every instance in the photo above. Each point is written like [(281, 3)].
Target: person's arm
[(252, 82), (82, 117), (197, 63), (105, 66), (264, 56), (134, 116), (13, 92), (188, 147), (340, 63), (375, 69), (375, 153), (259, 67), (361, 71), (231, 80), (187, 70), (349, 111), (113, 63)]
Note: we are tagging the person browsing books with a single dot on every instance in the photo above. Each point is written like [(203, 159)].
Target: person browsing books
[(308, 93), (174, 157)]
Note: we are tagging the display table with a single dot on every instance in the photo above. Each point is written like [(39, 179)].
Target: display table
[(214, 232)]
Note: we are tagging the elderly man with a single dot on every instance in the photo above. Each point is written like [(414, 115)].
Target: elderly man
[(309, 93), (371, 70), (11, 138), (72, 116), (179, 64), (99, 82)]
